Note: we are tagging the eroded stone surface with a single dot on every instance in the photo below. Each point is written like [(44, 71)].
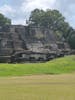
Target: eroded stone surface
[(18, 38)]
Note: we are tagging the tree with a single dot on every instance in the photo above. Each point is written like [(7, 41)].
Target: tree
[(4, 20), (48, 18), (72, 41), (53, 20)]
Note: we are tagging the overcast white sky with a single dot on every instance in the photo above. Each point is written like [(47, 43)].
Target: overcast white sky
[(19, 10)]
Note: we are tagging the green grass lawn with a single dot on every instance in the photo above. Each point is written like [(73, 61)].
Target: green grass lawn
[(57, 66), (38, 87)]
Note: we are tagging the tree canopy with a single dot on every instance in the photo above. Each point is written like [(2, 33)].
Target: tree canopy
[(4, 20), (50, 18), (53, 20)]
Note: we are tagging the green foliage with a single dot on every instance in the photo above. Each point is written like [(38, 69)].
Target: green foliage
[(4, 20), (49, 18), (53, 20), (71, 41), (57, 66)]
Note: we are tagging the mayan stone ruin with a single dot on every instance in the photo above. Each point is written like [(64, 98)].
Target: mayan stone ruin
[(20, 43)]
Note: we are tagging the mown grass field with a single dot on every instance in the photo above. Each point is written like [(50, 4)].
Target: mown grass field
[(57, 66), (38, 87), (42, 81)]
